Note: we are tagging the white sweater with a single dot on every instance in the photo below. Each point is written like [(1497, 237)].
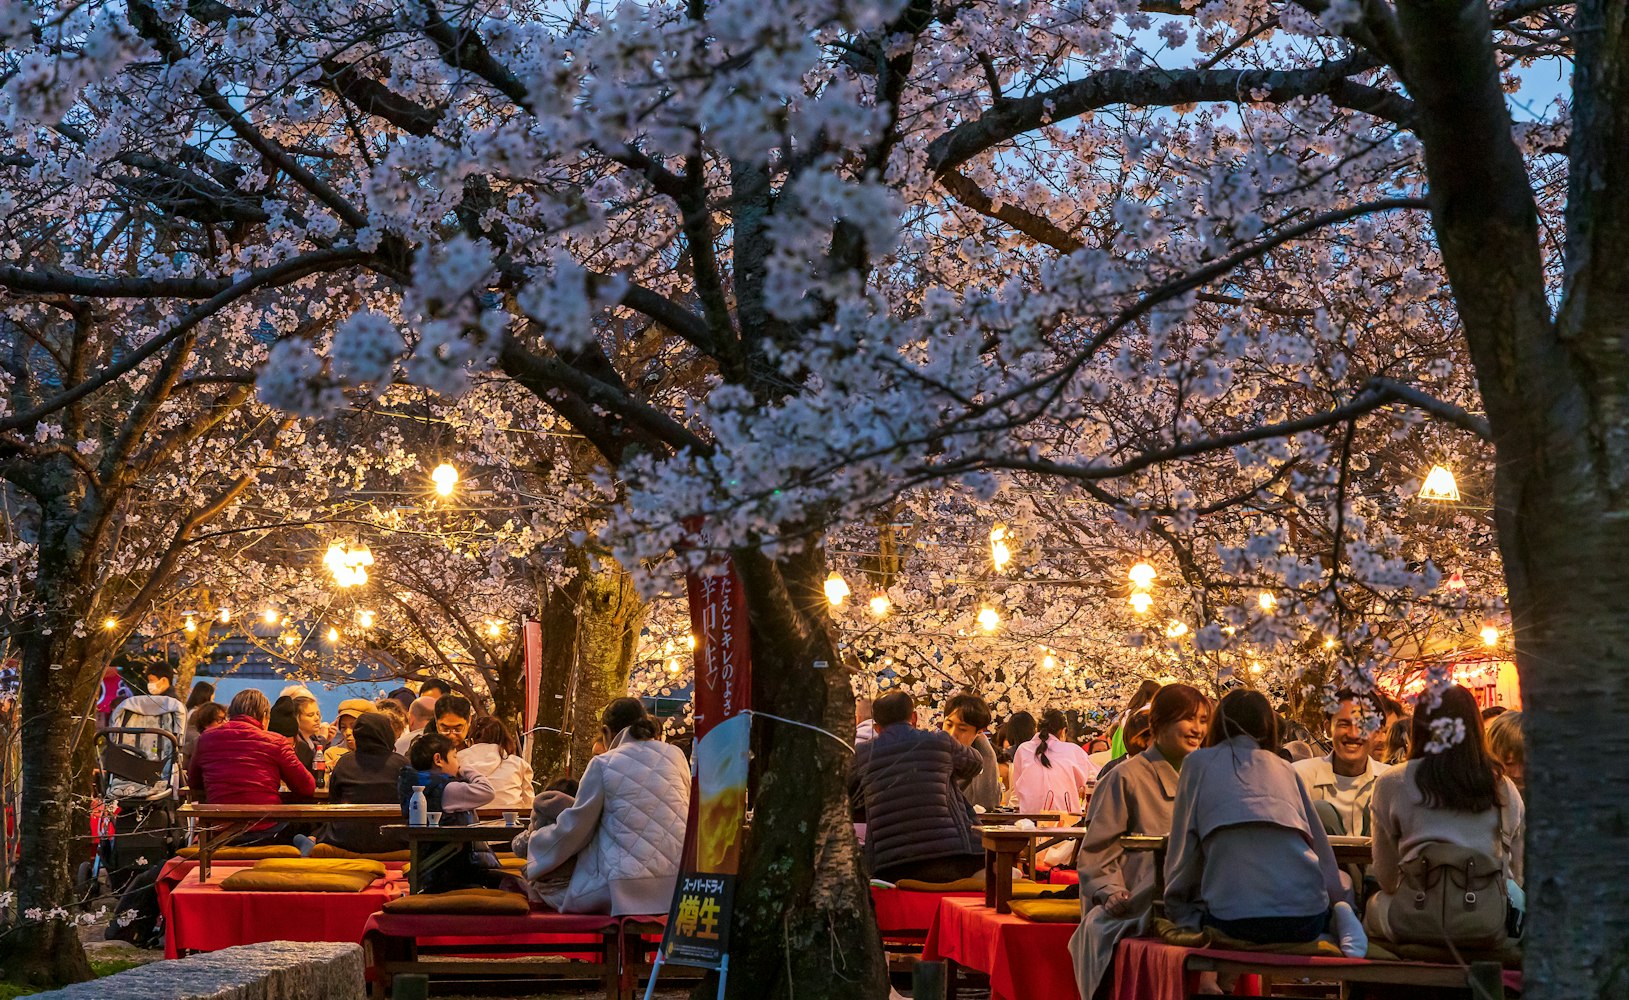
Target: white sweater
[(625, 830), (509, 774)]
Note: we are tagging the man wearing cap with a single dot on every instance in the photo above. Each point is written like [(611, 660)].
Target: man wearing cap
[(344, 740)]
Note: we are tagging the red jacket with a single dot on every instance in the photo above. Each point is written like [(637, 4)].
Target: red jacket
[(241, 763)]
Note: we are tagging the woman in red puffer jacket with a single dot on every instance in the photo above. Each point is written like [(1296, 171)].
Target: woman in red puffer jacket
[(241, 763)]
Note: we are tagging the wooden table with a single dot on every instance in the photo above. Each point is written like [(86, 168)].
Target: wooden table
[(1347, 851), (218, 823), (1009, 818), (443, 842), (1003, 845)]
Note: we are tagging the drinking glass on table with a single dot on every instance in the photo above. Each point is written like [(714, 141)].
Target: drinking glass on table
[(432, 819)]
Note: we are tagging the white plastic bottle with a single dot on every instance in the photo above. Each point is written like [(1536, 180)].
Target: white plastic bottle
[(417, 807)]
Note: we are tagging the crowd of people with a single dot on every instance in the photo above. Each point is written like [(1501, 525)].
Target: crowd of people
[(610, 842), (1246, 802)]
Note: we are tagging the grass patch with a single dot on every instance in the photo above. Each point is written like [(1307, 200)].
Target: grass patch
[(107, 964)]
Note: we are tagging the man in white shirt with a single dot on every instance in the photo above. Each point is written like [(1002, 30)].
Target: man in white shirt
[(1341, 784)]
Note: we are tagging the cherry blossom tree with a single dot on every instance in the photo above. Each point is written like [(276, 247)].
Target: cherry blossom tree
[(1199, 264)]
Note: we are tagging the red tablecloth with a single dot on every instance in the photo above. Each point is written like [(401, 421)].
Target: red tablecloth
[(204, 917), (1024, 960), (1150, 969), (905, 914)]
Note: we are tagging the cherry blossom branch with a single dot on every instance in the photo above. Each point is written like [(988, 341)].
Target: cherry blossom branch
[(229, 292), (1160, 87)]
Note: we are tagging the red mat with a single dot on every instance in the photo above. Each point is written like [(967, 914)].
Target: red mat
[(903, 914), (1024, 960), (204, 917)]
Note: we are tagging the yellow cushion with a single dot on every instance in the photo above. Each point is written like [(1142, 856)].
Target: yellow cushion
[(245, 853), (354, 866), (1210, 937), (494, 902), (308, 881), (1048, 911), (1020, 889), (512, 863), (330, 851)]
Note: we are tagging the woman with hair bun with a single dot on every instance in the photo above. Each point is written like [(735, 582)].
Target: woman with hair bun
[(1248, 853), (1049, 773), (625, 831)]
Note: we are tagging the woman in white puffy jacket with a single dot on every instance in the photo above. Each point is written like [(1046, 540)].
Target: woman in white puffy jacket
[(491, 750), (625, 832)]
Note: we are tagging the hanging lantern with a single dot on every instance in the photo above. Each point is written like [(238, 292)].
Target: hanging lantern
[(1490, 634), (1176, 630), (989, 620), (1440, 486), (1142, 576), (836, 590), (1000, 551), (1267, 601), (445, 478), (880, 605), (1141, 601)]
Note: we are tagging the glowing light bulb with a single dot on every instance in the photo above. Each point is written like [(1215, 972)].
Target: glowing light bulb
[(1440, 485), (988, 619), (880, 605), (690, 641), (110, 623), (1140, 602), (289, 640), (225, 615), (1049, 661), (1176, 630), (445, 477), (190, 625), (364, 619), (1142, 576), (1329, 643), (269, 616), (1267, 601), (1000, 551), (1490, 635), (836, 590), (1255, 666), (673, 665), (333, 635), (494, 628)]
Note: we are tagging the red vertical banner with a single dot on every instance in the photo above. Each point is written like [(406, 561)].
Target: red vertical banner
[(532, 639), (718, 620), (697, 932)]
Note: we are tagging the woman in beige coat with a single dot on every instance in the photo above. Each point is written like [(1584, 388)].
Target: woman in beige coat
[(1135, 798)]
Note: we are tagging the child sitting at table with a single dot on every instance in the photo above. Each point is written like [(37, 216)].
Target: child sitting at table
[(1248, 854), (455, 793)]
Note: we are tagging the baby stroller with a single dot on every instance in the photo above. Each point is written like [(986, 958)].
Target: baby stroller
[(133, 816)]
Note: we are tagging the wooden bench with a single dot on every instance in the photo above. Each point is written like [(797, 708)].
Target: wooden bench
[(539, 945)]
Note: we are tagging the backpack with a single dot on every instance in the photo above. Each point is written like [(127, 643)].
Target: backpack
[(1450, 894)]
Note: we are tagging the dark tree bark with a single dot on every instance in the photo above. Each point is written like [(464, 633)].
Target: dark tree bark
[(591, 626), (803, 922), (1557, 398), (55, 697)]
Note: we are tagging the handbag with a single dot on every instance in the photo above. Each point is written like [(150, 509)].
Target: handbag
[(1450, 894)]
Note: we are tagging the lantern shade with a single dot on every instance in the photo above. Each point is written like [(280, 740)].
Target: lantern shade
[(836, 590), (1440, 486)]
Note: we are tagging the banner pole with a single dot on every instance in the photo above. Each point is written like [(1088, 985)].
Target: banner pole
[(655, 970), (723, 974)]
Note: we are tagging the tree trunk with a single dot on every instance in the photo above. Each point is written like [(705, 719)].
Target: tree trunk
[(43, 952), (591, 629), (803, 922)]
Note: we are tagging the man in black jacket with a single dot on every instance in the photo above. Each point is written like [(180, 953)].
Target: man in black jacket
[(918, 823), (367, 774)]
